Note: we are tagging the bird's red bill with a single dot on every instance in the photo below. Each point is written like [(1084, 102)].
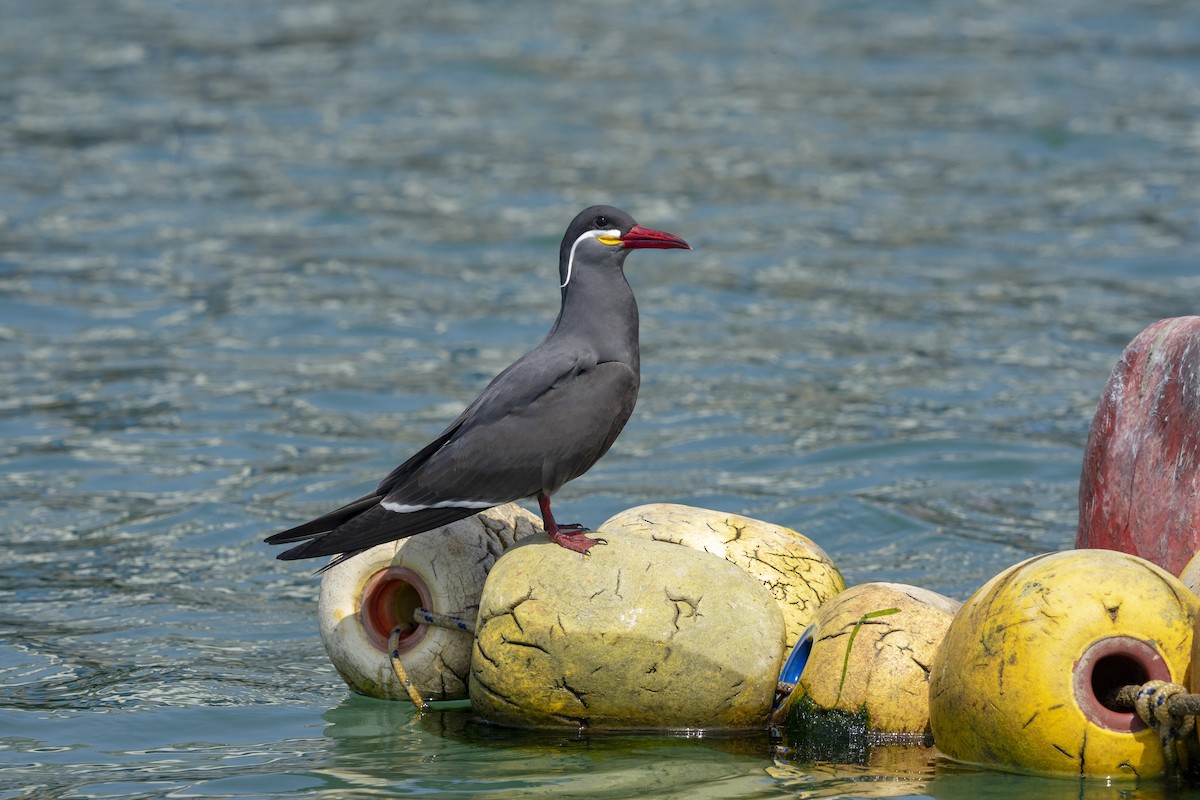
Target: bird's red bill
[(639, 237)]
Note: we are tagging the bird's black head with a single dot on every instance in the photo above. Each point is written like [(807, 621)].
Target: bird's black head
[(601, 233)]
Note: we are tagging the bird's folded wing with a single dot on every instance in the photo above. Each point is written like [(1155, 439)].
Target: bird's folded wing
[(536, 447), (511, 393)]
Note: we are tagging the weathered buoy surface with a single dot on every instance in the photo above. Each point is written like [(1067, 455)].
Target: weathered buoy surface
[(1140, 486), (871, 651), (1024, 677), (366, 597), (798, 573), (636, 635)]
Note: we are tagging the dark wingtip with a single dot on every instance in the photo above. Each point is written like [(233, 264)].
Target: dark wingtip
[(314, 529), (306, 550)]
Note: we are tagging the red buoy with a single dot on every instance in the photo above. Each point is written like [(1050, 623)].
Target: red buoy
[(1140, 488)]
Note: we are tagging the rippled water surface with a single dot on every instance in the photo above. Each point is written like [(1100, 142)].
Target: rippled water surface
[(253, 254)]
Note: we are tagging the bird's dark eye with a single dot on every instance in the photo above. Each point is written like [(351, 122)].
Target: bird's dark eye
[(602, 222)]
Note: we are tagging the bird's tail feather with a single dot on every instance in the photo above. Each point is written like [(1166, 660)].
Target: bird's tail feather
[(372, 525), (325, 522)]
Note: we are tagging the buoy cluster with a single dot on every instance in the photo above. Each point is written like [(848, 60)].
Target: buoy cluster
[(679, 621), (1081, 662)]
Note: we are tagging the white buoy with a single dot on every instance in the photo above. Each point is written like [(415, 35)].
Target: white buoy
[(368, 598)]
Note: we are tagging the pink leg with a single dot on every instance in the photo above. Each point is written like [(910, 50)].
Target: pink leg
[(569, 536)]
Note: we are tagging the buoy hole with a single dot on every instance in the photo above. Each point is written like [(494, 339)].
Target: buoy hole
[(1107, 665), (389, 599), (1111, 673)]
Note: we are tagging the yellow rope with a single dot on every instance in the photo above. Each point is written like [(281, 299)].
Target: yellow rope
[(459, 621), (1153, 707), (401, 673)]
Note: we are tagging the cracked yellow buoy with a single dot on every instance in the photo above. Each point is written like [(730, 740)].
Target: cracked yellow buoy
[(869, 651), (1024, 677), (635, 635), (798, 573), (366, 597)]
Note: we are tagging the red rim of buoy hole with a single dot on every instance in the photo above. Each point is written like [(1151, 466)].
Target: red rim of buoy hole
[(1106, 666), (389, 599)]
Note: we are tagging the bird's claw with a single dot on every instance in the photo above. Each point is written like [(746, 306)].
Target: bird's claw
[(572, 537)]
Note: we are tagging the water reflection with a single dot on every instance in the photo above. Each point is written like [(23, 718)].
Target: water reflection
[(385, 745)]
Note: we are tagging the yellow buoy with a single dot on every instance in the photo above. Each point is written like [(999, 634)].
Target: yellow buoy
[(798, 573), (635, 635), (1190, 577), (1024, 678), (869, 650), (366, 598)]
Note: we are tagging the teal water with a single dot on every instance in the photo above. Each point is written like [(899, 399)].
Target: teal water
[(251, 255)]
